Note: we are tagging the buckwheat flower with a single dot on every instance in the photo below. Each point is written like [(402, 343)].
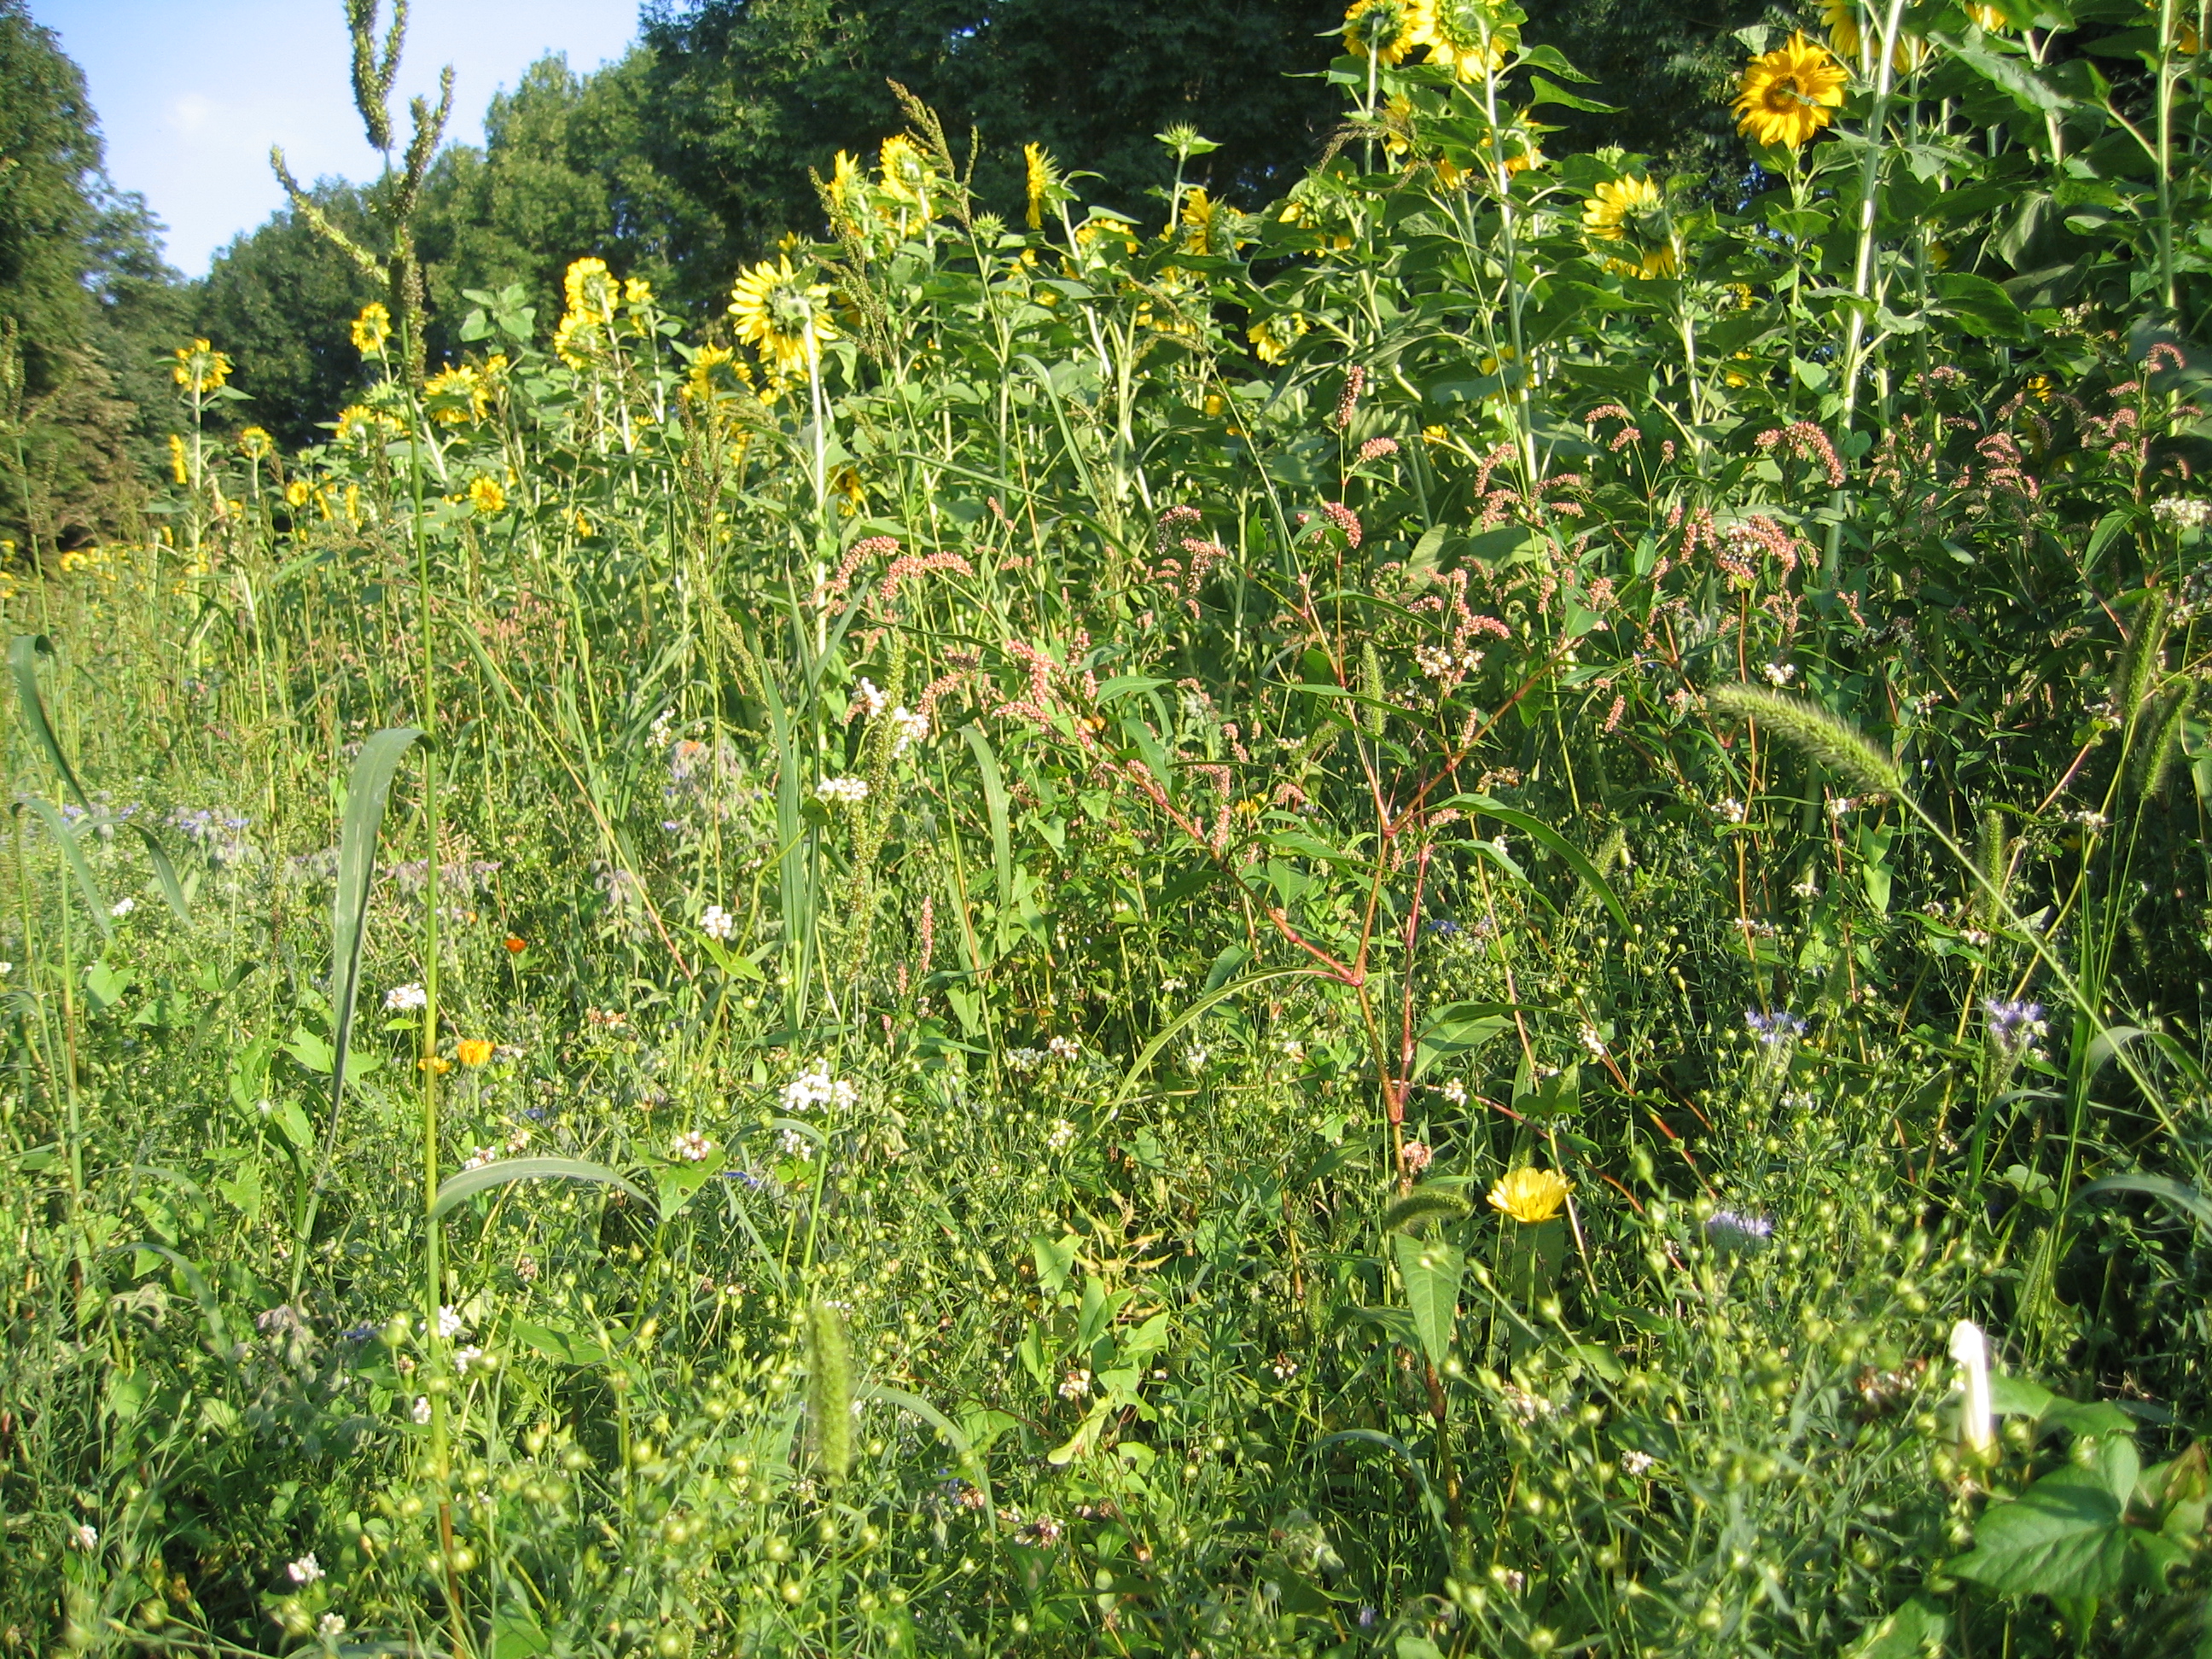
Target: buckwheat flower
[(690, 1146), (1061, 1136), (1075, 1385), (1530, 1195), (404, 999), (1731, 811), (868, 701), (1455, 1092), (2179, 512), (1592, 1042), (1416, 1155), (1284, 1367), (1637, 1462), (1779, 673), (814, 1087), (1061, 1048), (1775, 1028), (421, 1412), (1024, 1060), (123, 906), (1041, 1533), (796, 1145), (2092, 820), (329, 1627), (473, 1359), (304, 1570), (717, 923), (86, 1537), (1195, 1058), (480, 1157), (449, 1322), (1524, 1405), (841, 791), (1840, 807)]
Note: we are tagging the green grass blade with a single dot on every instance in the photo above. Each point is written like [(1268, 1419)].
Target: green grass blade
[(2179, 1193), (995, 802), (1142, 1062), (75, 853), (457, 1189), (1551, 840), (23, 653), (366, 791)]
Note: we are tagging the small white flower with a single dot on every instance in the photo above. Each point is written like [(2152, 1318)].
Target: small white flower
[(1456, 1092), (123, 906), (718, 923), (449, 1322), (1024, 1060), (841, 791), (690, 1146), (868, 701), (85, 1537), (1731, 811), (2180, 513), (421, 1412), (404, 999), (1841, 805), (1976, 1421), (479, 1157), (6, 968), (1062, 1048), (1779, 673), (2092, 820), (1061, 1136), (797, 1146), (473, 1360), (1637, 1462), (304, 1570), (329, 1627), (1293, 1050), (908, 728), (1807, 889), (815, 1087), (1593, 1041), (1195, 1058), (1075, 1385)]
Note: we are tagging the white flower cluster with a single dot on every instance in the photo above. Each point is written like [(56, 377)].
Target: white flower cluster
[(1779, 673), (718, 923), (841, 791), (1061, 1136), (690, 1148), (868, 701), (2182, 512), (908, 729), (1434, 661), (123, 906), (815, 1087), (404, 999), (1024, 1060)]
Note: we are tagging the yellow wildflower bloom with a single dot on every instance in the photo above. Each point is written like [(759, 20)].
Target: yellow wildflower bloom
[(455, 395), (907, 175), (178, 463), (1531, 1195), (590, 291), (848, 191), (846, 485), (636, 291), (1632, 210), (295, 493), (1468, 38), (1789, 94), (1385, 29), (255, 444), (372, 329), (582, 526), (472, 1051), (486, 495), (783, 318), (200, 367), (1043, 181), (1272, 337), (1208, 226)]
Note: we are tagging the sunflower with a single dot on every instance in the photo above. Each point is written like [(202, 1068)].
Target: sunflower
[(296, 493), (180, 466), (486, 494), (717, 372), (200, 367), (636, 291), (907, 178), (848, 192), (372, 329), (1468, 37), (1789, 94), (1385, 29), (1842, 18), (1208, 226), (785, 320), (574, 338), (455, 395), (590, 291), (1530, 1195), (1626, 210), (255, 443), (1272, 337), (1043, 181)]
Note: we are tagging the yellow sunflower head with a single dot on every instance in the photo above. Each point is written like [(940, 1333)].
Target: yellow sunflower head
[(1531, 1195), (1044, 182), (848, 194), (1629, 209), (1207, 226), (372, 329), (782, 316), (590, 291), (1385, 29), (1789, 94), (255, 443), (200, 367), (907, 176), (455, 395), (1470, 38), (717, 373), (486, 494), (1272, 337), (179, 462), (1987, 17)]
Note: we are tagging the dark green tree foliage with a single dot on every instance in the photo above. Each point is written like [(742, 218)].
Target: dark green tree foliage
[(83, 301), (1669, 66), (278, 299), (751, 93)]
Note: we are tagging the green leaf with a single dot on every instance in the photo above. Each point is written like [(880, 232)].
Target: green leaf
[(23, 653), (468, 1182), (1544, 836), (2061, 1538), (1980, 306), (994, 802), (2183, 1196), (1150, 1052), (65, 838), (1429, 1269), (1914, 1631), (366, 791)]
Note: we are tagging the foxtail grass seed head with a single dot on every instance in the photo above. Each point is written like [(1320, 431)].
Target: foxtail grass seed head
[(1827, 740), (830, 1389)]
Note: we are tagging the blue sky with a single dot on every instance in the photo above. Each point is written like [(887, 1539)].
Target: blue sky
[(191, 92)]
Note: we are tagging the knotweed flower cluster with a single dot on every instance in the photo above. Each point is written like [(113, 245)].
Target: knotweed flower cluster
[(815, 1087)]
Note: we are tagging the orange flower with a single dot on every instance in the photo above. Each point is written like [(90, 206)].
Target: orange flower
[(472, 1051), (516, 944)]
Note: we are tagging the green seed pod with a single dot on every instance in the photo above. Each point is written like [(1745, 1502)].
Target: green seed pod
[(830, 1389)]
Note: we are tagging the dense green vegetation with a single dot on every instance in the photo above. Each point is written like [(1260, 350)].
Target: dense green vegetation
[(1464, 912)]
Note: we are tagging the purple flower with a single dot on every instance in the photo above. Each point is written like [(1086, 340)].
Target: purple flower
[(1775, 1028), (2013, 1025), (1729, 1230)]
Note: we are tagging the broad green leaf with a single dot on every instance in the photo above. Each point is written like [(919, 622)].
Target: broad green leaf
[(2179, 1193), (2061, 1538), (455, 1189), (1429, 1270), (1913, 1631), (65, 838)]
